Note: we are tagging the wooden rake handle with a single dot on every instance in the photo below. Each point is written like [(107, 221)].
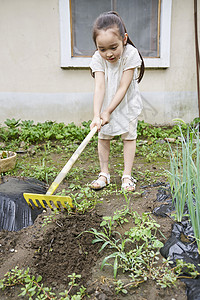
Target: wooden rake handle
[(70, 162)]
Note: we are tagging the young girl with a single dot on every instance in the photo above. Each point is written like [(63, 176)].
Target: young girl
[(117, 101)]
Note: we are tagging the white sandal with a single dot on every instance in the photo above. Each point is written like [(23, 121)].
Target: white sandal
[(128, 186), (101, 183)]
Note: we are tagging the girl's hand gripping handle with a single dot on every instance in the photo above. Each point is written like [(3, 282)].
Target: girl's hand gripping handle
[(96, 122)]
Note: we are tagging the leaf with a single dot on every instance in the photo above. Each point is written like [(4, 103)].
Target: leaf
[(1, 285), (76, 297), (107, 218), (116, 217), (96, 241), (23, 292), (108, 257), (27, 279), (179, 121), (115, 267), (59, 136), (103, 223), (104, 245), (33, 288), (39, 278), (157, 244)]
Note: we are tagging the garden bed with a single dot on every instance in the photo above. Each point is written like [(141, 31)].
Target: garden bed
[(58, 245)]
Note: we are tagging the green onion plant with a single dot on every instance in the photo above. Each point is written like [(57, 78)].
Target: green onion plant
[(178, 178), (185, 179), (193, 197)]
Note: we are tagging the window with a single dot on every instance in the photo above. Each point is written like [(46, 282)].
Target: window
[(147, 23)]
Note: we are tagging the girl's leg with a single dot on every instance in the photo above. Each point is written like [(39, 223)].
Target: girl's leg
[(129, 155), (103, 151)]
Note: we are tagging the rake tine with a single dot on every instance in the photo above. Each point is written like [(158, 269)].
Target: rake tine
[(29, 203), (35, 201), (55, 204), (39, 204), (48, 203), (32, 203)]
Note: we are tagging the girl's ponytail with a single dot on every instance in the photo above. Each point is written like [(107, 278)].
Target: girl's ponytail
[(142, 64), (131, 43)]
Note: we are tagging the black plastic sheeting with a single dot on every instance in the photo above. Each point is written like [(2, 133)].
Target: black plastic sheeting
[(15, 213), (164, 195), (175, 249), (181, 244)]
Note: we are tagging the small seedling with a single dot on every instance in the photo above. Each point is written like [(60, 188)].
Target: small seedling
[(33, 288), (50, 218)]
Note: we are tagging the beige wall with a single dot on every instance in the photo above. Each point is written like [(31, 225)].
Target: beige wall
[(33, 86)]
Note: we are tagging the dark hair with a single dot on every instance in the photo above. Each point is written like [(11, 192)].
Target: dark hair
[(108, 20)]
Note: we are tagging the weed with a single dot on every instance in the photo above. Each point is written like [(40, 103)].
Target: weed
[(137, 252), (77, 173), (84, 200), (50, 218), (119, 218), (34, 289)]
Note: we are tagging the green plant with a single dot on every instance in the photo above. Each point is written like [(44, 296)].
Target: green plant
[(185, 178), (165, 275), (77, 173), (120, 215), (50, 218), (156, 132), (43, 172), (31, 285), (178, 179), (12, 123), (119, 218), (84, 200), (27, 131), (120, 287), (152, 151), (110, 190), (137, 253), (34, 289), (80, 294), (193, 187), (4, 154)]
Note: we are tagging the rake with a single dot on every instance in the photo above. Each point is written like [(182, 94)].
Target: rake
[(38, 200)]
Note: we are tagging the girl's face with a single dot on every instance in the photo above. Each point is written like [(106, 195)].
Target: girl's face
[(110, 44)]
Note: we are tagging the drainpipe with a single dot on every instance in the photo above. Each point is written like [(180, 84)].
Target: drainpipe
[(197, 51)]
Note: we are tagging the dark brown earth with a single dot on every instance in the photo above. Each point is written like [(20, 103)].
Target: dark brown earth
[(62, 248)]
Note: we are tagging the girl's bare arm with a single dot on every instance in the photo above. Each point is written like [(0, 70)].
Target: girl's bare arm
[(99, 92), (123, 87)]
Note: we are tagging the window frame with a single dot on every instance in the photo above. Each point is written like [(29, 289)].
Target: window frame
[(67, 61)]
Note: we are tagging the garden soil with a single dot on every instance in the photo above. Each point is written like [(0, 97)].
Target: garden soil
[(64, 247)]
